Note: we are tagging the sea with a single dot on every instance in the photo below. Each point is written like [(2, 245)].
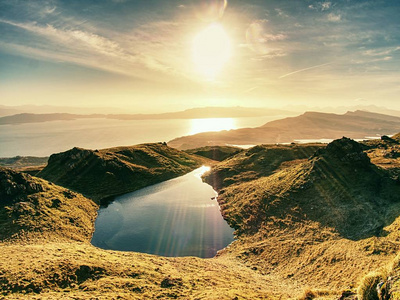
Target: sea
[(46, 138)]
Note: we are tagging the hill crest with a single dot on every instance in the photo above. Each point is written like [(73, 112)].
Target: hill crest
[(99, 174), (308, 126)]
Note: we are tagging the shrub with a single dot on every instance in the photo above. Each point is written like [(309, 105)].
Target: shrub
[(367, 289)]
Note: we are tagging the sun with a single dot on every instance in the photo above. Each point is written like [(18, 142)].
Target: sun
[(211, 50)]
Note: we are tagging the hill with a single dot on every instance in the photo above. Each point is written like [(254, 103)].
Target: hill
[(99, 174), (323, 222), (32, 207), (218, 153), (308, 126), (28, 164), (261, 160), (46, 254)]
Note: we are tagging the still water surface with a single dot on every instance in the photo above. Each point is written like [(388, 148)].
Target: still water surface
[(173, 218), (43, 139)]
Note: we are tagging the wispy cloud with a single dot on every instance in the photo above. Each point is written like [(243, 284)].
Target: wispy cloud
[(96, 51), (281, 13), (334, 17), (380, 52), (303, 70), (321, 6)]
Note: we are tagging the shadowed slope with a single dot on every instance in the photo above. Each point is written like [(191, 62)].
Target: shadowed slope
[(218, 153), (32, 207)]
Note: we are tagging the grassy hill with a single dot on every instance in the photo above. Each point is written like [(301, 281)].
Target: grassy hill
[(218, 153), (46, 254), (99, 174), (261, 160), (310, 125), (305, 216), (323, 222), (27, 164), (31, 207)]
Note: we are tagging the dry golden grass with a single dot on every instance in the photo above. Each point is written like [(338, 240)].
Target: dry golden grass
[(46, 254), (307, 229), (80, 271), (324, 222)]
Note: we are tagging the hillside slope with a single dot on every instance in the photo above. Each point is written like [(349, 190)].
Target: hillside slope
[(310, 125), (218, 153), (46, 254), (261, 160), (324, 222), (99, 174), (32, 207)]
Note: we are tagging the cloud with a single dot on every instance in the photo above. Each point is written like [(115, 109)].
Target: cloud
[(274, 37), (270, 54), (380, 52), (325, 5), (305, 69), (334, 17), (90, 49), (75, 38), (321, 6), (50, 10), (281, 13)]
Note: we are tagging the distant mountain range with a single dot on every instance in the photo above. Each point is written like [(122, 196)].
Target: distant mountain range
[(7, 110), (308, 126), (194, 113), (34, 114)]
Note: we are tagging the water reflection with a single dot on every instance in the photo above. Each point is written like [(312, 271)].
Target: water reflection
[(212, 124), (173, 218)]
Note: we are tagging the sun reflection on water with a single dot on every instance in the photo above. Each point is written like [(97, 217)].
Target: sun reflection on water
[(212, 124)]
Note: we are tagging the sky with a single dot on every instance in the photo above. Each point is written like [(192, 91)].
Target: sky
[(160, 55)]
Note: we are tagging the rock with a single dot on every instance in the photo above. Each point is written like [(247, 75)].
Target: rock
[(346, 150), (169, 282)]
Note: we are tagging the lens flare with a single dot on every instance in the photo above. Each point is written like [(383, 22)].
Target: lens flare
[(209, 10), (255, 38)]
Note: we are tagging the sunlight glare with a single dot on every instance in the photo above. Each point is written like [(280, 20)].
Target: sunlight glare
[(211, 50), (212, 124)]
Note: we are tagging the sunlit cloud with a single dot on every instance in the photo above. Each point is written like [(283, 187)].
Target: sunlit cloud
[(93, 50), (151, 43)]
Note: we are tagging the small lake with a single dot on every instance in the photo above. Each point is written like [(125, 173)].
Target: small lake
[(173, 218)]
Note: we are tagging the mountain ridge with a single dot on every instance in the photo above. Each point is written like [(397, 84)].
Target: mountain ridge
[(308, 126), (193, 113)]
